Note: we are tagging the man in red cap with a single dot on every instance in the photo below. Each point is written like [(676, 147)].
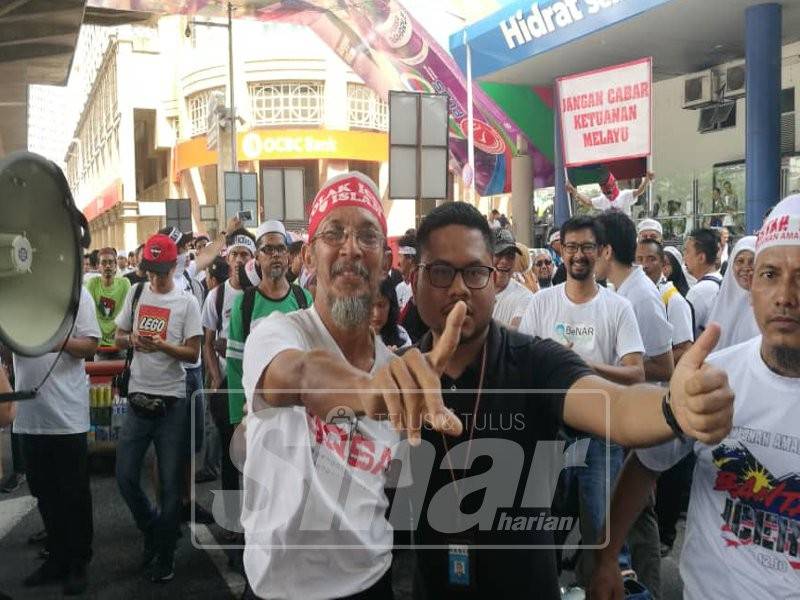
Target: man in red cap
[(314, 506), (161, 324)]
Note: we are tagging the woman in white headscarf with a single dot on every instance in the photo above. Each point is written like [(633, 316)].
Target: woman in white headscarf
[(732, 309)]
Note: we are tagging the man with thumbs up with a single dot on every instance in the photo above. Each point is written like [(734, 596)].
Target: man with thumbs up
[(743, 527), (512, 392)]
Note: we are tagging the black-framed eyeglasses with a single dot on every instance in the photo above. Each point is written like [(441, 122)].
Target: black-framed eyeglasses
[(541, 263), (367, 239), (270, 249), (441, 275), (586, 248)]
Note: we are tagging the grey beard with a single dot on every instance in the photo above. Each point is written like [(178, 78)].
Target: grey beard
[(787, 360), (351, 311)]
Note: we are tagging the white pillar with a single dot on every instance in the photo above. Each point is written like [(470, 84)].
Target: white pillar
[(522, 198)]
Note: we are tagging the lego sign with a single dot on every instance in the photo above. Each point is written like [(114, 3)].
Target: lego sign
[(606, 114)]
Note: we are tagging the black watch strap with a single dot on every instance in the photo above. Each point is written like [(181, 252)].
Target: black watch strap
[(669, 416)]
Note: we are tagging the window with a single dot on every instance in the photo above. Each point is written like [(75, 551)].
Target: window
[(197, 107), (787, 121), (284, 194), (719, 116), (365, 109), (287, 102)]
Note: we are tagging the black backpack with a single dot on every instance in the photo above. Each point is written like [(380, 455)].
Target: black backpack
[(249, 301)]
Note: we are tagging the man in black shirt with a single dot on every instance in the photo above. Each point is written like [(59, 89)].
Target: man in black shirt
[(455, 269)]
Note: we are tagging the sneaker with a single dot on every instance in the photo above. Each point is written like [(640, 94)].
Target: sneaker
[(12, 483), (205, 476), (150, 549), (48, 572), (44, 553), (76, 582), (164, 569)]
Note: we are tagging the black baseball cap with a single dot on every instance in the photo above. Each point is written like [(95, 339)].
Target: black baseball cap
[(504, 240)]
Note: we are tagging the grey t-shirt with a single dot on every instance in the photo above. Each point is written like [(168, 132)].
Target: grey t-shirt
[(175, 317)]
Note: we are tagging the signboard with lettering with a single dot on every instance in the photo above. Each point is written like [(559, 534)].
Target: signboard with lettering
[(522, 29), (606, 114)]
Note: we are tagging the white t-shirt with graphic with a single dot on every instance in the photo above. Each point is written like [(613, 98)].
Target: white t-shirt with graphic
[(623, 202), (211, 319), (651, 314), (602, 330), (511, 303), (743, 525), (702, 295), (314, 501), (175, 318), (62, 405)]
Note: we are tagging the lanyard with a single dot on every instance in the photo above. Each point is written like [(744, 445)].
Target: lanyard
[(471, 429)]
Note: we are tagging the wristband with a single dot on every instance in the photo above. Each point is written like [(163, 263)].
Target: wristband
[(669, 416)]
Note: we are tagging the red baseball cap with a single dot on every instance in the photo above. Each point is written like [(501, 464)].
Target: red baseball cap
[(159, 255)]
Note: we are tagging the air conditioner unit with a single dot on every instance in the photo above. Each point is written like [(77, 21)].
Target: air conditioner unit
[(699, 90), (735, 81)]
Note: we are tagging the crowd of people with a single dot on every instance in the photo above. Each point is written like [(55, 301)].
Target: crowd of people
[(259, 338)]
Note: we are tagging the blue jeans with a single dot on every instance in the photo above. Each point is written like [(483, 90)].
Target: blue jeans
[(196, 404), (170, 436), (592, 488)]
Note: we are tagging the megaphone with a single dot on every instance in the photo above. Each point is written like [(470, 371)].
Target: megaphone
[(42, 234)]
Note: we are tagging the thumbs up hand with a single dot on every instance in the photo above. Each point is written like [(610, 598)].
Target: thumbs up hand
[(701, 398), (408, 391)]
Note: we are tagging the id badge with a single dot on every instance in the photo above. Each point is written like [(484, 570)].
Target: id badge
[(461, 566)]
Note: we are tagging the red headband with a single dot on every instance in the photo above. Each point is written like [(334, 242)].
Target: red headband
[(348, 189)]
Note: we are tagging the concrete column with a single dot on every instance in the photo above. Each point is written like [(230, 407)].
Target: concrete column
[(522, 198), (763, 91)]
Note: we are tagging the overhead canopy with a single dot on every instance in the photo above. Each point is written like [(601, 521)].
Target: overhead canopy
[(37, 42), (682, 36)]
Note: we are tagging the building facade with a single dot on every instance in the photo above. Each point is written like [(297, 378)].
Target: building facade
[(148, 132)]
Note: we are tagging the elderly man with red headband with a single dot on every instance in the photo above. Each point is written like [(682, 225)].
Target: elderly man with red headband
[(318, 441)]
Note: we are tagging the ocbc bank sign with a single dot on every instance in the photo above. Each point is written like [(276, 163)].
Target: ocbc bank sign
[(266, 145)]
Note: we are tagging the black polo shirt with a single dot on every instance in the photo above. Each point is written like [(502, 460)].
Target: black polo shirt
[(514, 361)]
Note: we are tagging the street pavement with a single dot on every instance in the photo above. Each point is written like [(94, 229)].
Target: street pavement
[(200, 573)]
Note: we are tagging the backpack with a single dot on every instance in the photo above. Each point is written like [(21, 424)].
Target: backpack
[(195, 288), (249, 301), (124, 378), (711, 278), (219, 301)]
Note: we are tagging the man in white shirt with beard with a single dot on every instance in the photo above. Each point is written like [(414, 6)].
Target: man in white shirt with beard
[(600, 327), (743, 525), (511, 298), (314, 509)]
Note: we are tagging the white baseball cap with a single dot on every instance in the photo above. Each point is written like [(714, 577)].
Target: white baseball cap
[(650, 225)]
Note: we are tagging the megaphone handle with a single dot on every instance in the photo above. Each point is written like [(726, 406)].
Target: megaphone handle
[(17, 396), (86, 237)]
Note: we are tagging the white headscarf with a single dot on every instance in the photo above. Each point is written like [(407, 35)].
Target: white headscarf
[(732, 309)]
